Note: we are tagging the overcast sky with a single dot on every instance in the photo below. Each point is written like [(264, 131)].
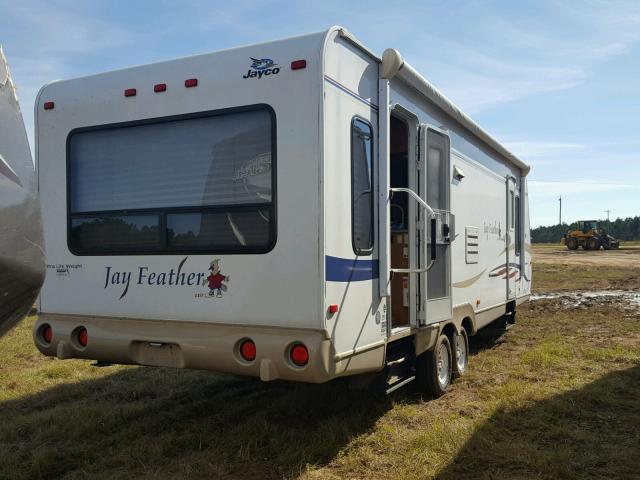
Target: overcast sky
[(558, 82)]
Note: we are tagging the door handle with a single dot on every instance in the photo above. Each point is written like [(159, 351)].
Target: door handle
[(446, 230)]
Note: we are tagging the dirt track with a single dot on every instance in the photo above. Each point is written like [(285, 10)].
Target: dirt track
[(626, 256)]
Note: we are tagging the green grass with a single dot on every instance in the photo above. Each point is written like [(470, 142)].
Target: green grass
[(550, 277), (554, 397), (552, 353)]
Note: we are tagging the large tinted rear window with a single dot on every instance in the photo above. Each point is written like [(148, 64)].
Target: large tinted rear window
[(192, 183)]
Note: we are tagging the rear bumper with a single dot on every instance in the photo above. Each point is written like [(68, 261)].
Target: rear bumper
[(203, 346)]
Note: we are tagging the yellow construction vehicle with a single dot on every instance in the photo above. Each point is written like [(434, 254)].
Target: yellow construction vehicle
[(590, 237)]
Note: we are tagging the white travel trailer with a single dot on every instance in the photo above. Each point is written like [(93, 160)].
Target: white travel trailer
[(299, 209), (21, 253)]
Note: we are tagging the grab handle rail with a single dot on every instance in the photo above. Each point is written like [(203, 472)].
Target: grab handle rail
[(417, 198), (432, 216)]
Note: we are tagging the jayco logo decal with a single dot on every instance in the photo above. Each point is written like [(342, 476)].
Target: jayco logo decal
[(260, 67), (178, 277)]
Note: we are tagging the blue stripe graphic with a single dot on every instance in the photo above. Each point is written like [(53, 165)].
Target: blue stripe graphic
[(349, 270)]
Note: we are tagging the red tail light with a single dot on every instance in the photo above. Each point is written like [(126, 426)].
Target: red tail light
[(83, 337), (47, 334), (248, 350), (130, 92), (299, 355), (333, 308), (49, 105), (298, 64), (191, 82), (160, 87)]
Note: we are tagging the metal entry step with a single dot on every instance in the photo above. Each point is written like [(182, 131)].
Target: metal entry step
[(400, 364), (401, 382)]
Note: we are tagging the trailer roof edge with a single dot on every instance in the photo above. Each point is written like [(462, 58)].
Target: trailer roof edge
[(394, 65), (417, 81)]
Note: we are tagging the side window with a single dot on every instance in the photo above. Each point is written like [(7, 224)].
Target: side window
[(361, 187), (511, 219), (518, 226)]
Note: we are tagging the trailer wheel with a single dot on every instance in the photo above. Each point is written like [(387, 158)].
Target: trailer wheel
[(592, 243), (572, 243), (434, 368), (460, 353)]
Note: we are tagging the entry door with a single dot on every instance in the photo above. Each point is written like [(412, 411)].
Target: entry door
[(434, 169), (511, 239)]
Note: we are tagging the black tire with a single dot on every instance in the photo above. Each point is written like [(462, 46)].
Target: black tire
[(572, 243), (592, 243), (460, 353), (427, 367)]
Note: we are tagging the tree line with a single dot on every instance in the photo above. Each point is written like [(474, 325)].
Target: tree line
[(622, 229)]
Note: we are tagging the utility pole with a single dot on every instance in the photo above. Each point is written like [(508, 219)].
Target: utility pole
[(560, 216), (608, 212)]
